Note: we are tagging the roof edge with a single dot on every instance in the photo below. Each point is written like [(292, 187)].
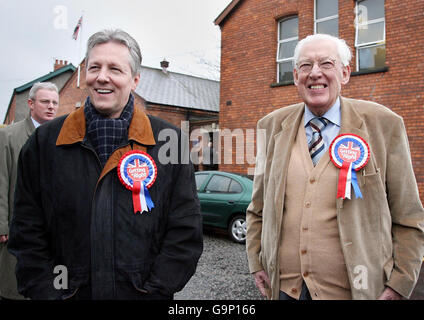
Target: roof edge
[(226, 12), (181, 74), (68, 67)]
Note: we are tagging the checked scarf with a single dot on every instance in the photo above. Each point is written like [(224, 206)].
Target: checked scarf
[(107, 134)]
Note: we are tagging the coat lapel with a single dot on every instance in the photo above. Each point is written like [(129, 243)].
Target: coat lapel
[(283, 144), (352, 122)]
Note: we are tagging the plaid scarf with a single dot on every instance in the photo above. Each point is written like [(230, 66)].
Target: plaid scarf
[(107, 134)]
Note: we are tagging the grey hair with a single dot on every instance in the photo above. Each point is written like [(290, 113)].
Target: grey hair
[(41, 85), (117, 36), (343, 49)]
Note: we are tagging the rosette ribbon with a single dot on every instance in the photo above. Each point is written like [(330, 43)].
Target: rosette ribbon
[(141, 197), (137, 172), (350, 153)]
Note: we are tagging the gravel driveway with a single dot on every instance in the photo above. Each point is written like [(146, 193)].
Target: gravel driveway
[(222, 272)]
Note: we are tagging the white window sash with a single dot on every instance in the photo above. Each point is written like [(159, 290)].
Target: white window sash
[(367, 24), (316, 21), (370, 45), (278, 66), (278, 49)]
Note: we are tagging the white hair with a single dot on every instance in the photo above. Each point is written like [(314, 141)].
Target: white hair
[(41, 85), (118, 36), (343, 49)]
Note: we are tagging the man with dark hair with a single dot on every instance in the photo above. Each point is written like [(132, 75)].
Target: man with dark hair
[(95, 198)]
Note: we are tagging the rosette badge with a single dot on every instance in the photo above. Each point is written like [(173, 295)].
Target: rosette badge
[(350, 153), (137, 172)]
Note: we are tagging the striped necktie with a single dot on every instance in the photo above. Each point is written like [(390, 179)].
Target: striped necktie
[(316, 145)]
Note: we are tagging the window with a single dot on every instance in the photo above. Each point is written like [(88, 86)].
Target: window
[(287, 41), (235, 187), (200, 178), (218, 184), (327, 17), (370, 35)]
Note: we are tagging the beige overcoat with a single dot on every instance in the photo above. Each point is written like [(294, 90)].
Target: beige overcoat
[(12, 138), (381, 235)]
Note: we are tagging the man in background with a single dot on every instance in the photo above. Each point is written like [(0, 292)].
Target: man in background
[(43, 102)]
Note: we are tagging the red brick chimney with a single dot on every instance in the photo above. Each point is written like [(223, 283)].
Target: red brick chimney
[(59, 64)]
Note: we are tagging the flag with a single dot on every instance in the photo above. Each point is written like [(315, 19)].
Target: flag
[(77, 29)]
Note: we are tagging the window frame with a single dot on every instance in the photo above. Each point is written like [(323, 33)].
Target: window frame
[(371, 44), (316, 21), (218, 176), (279, 22)]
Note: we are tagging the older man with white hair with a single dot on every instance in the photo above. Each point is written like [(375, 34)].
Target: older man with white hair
[(335, 210)]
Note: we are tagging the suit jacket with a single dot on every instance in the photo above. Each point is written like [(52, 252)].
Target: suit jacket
[(12, 138), (381, 235)]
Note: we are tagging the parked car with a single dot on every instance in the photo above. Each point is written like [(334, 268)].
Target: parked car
[(224, 198)]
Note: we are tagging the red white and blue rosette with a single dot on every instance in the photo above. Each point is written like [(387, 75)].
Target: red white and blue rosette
[(350, 153), (137, 172)]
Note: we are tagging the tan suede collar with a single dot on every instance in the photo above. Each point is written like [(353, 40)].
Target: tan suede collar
[(73, 129), (140, 131)]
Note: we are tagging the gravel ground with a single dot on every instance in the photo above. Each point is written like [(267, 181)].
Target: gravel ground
[(222, 272)]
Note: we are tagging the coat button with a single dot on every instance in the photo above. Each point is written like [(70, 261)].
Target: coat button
[(305, 274), (307, 204), (312, 180), (303, 251), (293, 290)]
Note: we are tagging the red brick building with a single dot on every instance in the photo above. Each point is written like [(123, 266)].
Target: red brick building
[(386, 38)]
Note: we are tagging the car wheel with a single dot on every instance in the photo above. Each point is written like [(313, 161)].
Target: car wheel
[(237, 229)]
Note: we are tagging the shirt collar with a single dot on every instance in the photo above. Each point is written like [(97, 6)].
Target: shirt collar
[(35, 122), (333, 114)]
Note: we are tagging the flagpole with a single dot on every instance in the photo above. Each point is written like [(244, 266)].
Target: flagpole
[(79, 50)]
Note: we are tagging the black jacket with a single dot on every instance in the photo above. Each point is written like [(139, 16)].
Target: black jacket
[(69, 211)]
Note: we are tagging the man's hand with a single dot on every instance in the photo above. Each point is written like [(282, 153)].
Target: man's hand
[(4, 238), (390, 294), (262, 282)]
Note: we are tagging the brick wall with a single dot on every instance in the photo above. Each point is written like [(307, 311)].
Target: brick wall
[(248, 66)]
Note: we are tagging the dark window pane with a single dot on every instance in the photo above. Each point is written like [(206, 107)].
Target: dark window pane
[(373, 57), (218, 184), (235, 187), (288, 28), (329, 27), (326, 8), (287, 49), (285, 71), (200, 178)]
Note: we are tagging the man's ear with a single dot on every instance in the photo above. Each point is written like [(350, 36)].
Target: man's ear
[(295, 76), (30, 105), (136, 80), (345, 74)]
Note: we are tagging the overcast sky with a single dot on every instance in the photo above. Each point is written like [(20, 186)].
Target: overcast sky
[(35, 33)]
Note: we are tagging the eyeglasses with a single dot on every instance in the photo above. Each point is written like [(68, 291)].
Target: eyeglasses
[(324, 65)]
